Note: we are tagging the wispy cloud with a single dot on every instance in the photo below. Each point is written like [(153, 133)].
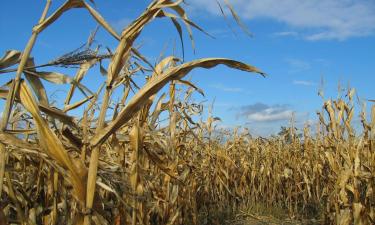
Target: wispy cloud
[(286, 34), (228, 105), (297, 65), (304, 83), (224, 88), (222, 33), (265, 119), (260, 112), (317, 19)]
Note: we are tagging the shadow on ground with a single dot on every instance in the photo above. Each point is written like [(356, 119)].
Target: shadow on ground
[(258, 214)]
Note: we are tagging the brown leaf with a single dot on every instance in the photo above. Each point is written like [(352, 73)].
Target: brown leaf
[(237, 18), (53, 77), (52, 145), (58, 114), (152, 87), (35, 83), (10, 58)]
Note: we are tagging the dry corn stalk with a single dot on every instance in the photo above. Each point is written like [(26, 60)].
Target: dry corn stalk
[(142, 168)]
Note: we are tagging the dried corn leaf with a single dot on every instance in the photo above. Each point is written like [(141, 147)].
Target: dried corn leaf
[(35, 83), (52, 145), (69, 4), (155, 85), (2, 170), (237, 18), (58, 114), (53, 77), (10, 58)]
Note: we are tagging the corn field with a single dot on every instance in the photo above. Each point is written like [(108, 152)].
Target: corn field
[(124, 163)]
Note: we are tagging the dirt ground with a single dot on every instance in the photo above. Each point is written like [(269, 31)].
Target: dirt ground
[(257, 214), (269, 220)]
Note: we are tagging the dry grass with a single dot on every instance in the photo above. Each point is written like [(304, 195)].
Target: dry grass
[(137, 169)]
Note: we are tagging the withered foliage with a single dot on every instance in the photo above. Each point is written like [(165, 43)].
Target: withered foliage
[(137, 168)]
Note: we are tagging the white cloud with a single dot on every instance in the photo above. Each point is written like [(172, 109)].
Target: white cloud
[(317, 19), (304, 83), (264, 119), (261, 112), (224, 88), (286, 34), (271, 114), (297, 65)]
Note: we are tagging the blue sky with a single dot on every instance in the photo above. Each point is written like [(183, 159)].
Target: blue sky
[(295, 42)]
